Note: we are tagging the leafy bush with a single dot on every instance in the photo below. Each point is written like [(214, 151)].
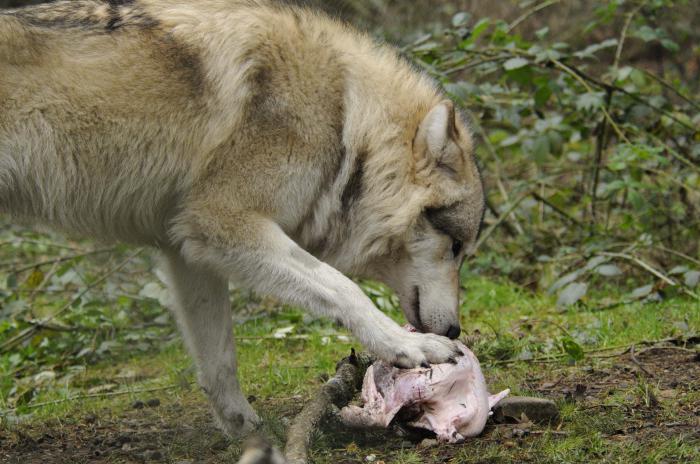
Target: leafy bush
[(592, 160)]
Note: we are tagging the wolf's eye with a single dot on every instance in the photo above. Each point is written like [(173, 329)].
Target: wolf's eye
[(456, 248)]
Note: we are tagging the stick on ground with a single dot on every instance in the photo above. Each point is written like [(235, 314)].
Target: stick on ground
[(337, 391)]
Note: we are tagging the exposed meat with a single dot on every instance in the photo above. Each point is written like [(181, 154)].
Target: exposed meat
[(449, 399)]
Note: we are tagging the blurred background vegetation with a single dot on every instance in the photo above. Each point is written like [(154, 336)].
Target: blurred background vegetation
[(587, 115)]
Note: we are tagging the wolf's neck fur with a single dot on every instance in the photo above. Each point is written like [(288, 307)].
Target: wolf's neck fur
[(374, 199)]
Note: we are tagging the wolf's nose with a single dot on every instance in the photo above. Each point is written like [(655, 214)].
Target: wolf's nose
[(453, 332)]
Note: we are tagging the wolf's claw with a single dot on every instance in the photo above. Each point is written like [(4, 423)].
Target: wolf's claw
[(413, 349)]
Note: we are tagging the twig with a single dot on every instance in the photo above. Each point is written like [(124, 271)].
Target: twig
[(557, 210), (677, 253), (506, 225), (607, 307), (522, 18), (649, 269), (562, 433), (661, 81), (97, 395), (44, 281), (555, 357), (60, 260), (633, 96), (28, 332), (583, 78), (674, 153), (479, 129), (672, 178), (568, 70), (81, 328), (671, 347), (554, 323), (641, 264), (474, 64), (286, 337), (601, 142), (337, 391), (637, 363), (623, 34), (596, 406), (500, 220)]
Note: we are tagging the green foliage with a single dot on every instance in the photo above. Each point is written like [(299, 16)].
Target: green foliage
[(58, 315), (585, 150), (572, 348)]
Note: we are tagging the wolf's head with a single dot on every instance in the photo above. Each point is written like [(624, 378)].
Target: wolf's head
[(441, 225)]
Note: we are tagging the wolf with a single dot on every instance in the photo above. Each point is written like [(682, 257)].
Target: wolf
[(250, 142)]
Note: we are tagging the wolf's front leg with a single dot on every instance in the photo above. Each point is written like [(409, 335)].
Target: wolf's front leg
[(254, 250), (203, 311)]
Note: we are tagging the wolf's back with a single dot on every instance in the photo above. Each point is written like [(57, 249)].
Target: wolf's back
[(109, 104)]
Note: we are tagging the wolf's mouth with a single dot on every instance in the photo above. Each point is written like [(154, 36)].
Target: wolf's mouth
[(415, 307)]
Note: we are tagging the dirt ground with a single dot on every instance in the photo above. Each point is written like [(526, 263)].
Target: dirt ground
[(648, 384)]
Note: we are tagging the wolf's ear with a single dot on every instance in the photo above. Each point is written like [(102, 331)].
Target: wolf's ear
[(437, 132)]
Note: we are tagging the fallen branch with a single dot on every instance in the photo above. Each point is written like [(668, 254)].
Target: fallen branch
[(337, 391), (656, 273)]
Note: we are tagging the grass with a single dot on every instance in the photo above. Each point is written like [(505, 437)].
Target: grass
[(611, 411)]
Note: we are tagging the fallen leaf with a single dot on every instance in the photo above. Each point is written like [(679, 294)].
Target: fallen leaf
[(571, 294), (641, 292), (283, 332), (515, 63), (608, 270), (668, 394), (692, 278), (108, 387)]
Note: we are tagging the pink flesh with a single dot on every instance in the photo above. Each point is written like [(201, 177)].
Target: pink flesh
[(451, 399)]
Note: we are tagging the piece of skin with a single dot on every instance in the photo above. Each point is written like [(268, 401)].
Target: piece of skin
[(449, 399)]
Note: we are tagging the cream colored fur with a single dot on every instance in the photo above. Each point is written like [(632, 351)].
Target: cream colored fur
[(250, 142)]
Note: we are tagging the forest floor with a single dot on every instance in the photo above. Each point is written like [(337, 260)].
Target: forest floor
[(129, 394)]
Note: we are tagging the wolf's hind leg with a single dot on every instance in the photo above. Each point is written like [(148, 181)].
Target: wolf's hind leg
[(203, 312)]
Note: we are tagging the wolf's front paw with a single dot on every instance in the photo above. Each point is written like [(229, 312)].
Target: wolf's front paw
[(237, 418), (413, 349)]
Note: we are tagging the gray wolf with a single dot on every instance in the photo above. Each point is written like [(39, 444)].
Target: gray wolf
[(249, 142)]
